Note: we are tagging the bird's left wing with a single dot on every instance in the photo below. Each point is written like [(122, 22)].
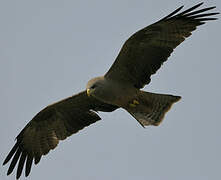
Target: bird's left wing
[(54, 123), (146, 50)]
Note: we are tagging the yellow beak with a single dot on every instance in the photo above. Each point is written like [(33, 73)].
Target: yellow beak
[(88, 92)]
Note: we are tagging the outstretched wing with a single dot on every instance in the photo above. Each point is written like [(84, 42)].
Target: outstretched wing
[(55, 122), (146, 50)]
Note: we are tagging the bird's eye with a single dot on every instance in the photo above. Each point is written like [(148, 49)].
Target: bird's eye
[(94, 86)]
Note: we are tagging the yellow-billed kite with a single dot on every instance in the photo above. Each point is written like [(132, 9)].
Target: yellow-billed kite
[(140, 57)]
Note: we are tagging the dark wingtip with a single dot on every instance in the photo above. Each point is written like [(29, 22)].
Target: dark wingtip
[(37, 159), (178, 98), (28, 165), (208, 19), (14, 161), (8, 173), (190, 13), (198, 5), (201, 3), (171, 14), (190, 9), (11, 153), (213, 7), (4, 162), (21, 164)]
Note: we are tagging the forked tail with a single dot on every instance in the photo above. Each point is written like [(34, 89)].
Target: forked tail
[(152, 107)]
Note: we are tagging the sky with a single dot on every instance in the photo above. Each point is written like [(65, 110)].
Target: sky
[(49, 49)]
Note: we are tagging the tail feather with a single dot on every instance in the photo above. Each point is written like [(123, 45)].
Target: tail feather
[(152, 107)]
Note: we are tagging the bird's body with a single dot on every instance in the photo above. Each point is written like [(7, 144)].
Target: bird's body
[(113, 92), (146, 108), (140, 57)]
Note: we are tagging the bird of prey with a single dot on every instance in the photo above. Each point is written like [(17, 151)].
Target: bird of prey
[(140, 57)]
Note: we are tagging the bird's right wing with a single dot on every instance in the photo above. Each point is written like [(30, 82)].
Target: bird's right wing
[(54, 123), (146, 50)]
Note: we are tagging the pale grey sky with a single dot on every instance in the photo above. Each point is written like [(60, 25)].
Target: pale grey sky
[(48, 51)]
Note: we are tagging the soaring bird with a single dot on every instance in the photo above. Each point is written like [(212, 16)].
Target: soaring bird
[(140, 57)]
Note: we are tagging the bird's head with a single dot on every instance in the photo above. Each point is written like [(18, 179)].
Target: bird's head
[(94, 86)]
